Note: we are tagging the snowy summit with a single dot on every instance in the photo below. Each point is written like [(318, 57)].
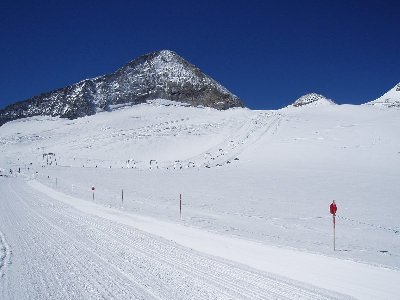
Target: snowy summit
[(158, 75), (313, 99)]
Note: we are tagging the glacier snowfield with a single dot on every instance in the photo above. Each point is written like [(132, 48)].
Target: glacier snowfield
[(255, 186)]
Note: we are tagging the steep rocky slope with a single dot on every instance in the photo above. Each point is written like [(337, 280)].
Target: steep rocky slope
[(158, 75)]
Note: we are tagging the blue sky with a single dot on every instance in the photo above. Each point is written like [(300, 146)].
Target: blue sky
[(268, 53)]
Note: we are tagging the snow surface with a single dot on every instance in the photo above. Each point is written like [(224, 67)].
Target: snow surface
[(63, 253), (260, 181)]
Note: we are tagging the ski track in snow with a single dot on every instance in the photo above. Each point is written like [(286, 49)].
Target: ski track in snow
[(61, 253), (247, 134), (5, 255)]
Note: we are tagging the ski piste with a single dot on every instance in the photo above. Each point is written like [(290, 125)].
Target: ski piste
[(255, 188)]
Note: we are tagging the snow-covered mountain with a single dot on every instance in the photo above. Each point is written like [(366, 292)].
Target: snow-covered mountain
[(389, 99), (312, 99), (162, 74)]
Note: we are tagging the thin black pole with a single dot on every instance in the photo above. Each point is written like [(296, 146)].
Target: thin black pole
[(180, 206)]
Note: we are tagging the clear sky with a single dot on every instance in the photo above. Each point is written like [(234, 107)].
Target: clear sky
[(268, 53)]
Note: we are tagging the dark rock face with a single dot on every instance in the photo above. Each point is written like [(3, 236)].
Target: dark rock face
[(158, 75)]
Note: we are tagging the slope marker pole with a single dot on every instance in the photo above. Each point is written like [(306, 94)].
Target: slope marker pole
[(334, 233)]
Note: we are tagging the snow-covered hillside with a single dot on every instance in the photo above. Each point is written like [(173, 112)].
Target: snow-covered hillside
[(389, 99), (264, 177)]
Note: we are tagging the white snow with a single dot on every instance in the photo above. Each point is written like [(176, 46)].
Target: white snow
[(329, 273), (256, 188)]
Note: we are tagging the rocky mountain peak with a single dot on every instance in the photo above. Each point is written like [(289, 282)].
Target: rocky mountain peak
[(313, 99), (157, 75)]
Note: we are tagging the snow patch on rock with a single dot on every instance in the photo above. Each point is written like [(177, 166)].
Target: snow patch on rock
[(313, 99)]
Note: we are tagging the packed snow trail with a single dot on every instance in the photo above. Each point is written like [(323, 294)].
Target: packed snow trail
[(325, 272), (59, 252)]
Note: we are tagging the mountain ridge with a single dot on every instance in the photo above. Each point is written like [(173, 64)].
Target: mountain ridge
[(160, 74)]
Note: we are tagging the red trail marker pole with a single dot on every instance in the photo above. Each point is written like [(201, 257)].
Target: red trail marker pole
[(333, 210)]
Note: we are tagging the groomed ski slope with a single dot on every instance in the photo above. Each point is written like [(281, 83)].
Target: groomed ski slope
[(262, 180), (60, 252), (330, 273)]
